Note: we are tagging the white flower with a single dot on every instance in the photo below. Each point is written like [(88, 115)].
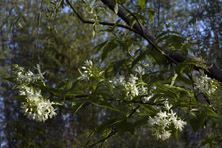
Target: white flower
[(162, 114), (172, 115), (131, 90), (160, 133), (146, 99), (84, 77), (134, 90), (120, 81), (167, 105), (205, 78), (165, 135), (88, 63), (143, 90), (40, 75), (140, 70), (152, 121), (179, 124), (133, 79)]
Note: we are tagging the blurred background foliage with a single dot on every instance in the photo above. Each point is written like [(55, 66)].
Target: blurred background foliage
[(47, 33)]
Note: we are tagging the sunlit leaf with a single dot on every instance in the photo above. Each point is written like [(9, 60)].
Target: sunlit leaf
[(142, 3)]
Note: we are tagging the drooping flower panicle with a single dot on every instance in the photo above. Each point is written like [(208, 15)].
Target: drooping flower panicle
[(35, 106), (22, 76), (205, 84)]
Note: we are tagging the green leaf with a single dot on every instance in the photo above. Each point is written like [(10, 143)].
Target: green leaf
[(20, 25), (101, 27), (132, 22), (21, 97), (175, 133), (198, 121), (52, 90), (142, 3), (108, 48), (169, 36), (140, 122), (173, 79), (151, 12), (125, 126), (174, 40), (140, 57), (155, 98), (10, 79), (77, 106), (150, 110), (70, 85), (100, 46), (211, 112), (118, 65), (177, 89), (123, 44), (93, 33), (116, 8), (104, 105), (58, 104), (61, 84), (212, 141), (183, 79), (180, 68), (73, 104), (105, 125)]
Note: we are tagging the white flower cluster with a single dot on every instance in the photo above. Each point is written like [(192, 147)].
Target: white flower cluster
[(87, 70), (140, 70), (161, 123), (35, 107), (118, 81), (134, 86), (206, 85), (26, 77)]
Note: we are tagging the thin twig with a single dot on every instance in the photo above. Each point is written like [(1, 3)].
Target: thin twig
[(102, 23)]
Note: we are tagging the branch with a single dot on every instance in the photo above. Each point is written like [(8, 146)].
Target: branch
[(93, 22), (176, 57)]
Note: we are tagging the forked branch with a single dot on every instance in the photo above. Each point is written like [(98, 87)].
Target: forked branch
[(102, 23)]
